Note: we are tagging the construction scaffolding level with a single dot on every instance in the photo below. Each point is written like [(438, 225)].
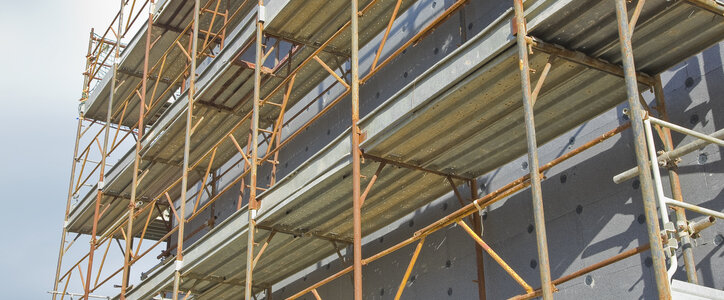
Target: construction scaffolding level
[(222, 99)]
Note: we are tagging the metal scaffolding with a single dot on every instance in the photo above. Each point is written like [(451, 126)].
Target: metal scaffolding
[(162, 187)]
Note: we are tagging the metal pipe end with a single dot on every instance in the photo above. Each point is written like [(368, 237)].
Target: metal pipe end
[(696, 227)]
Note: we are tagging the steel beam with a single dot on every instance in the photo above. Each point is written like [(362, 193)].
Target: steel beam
[(306, 43), (302, 233), (152, 77), (413, 167), (585, 60)]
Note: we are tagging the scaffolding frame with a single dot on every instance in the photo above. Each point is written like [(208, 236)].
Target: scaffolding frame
[(251, 158), (640, 127), (96, 60)]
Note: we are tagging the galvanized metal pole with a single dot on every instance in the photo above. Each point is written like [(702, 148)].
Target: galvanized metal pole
[(187, 145), (675, 184), (253, 204), (102, 169), (134, 182), (652, 220), (478, 227), (356, 167), (535, 186)]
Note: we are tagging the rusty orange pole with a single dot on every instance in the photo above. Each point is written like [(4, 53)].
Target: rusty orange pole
[(67, 209), (647, 189), (535, 178), (79, 133), (107, 129), (675, 184), (187, 145), (585, 270), (134, 183), (401, 288), (495, 257), (253, 205), (490, 198), (478, 226)]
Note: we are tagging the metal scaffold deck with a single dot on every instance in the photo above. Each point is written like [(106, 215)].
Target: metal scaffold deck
[(212, 92)]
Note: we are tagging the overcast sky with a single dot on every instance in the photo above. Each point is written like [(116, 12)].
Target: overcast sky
[(41, 60)]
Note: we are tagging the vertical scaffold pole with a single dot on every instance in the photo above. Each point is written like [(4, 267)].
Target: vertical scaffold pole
[(675, 183), (637, 125), (535, 186), (67, 207), (253, 203), (136, 161), (61, 252), (102, 169), (355, 151), (478, 227), (187, 145)]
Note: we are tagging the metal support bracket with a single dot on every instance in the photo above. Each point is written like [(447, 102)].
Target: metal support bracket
[(671, 244)]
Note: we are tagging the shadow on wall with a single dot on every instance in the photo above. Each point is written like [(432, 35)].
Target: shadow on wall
[(583, 227)]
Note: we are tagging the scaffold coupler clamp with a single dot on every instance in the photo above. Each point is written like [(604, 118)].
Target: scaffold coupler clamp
[(179, 265), (671, 243), (682, 229), (480, 214), (82, 107), (666, 161), (644, 114)]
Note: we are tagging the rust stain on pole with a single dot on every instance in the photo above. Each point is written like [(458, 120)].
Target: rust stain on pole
[(652, 220), (537, 195), (478, 227), (356, 167)]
